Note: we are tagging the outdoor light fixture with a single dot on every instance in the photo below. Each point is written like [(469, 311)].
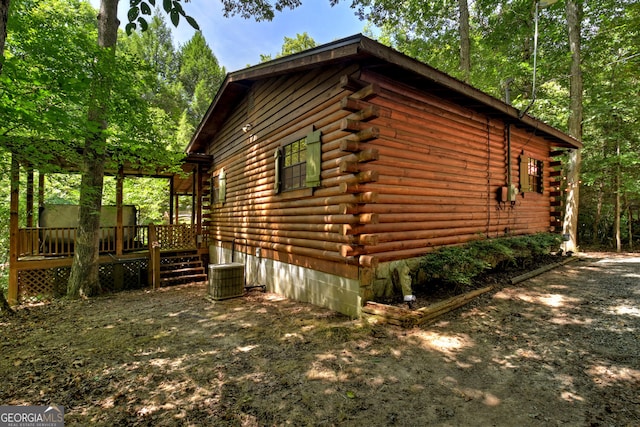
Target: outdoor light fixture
[(539, 4), (246, 128)]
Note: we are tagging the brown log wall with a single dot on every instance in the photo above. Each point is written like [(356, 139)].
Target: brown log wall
[(303, 226), (439, 169)]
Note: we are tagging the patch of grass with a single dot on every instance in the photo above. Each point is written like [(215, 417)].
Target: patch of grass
[(458, 265)]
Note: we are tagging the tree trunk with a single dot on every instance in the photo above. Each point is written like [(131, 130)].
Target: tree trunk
[(14, 202), (465, 43), (570, 226), (629, 222), (598, 217), (84, 278), (618, 207), (4, 16), (5, 308)]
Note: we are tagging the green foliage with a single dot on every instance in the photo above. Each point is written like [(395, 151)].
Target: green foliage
[(49, 52), (201, 77), (458, 265), (139, 8), (453, 265), (148, 195), (300, 43), (44, 100)]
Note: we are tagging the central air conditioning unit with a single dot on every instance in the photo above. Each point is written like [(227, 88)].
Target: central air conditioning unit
[(226, 280)]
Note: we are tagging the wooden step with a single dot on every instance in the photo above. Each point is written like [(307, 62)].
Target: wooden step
[(175, 280), (182, 272), (181, 265), (181, 268)]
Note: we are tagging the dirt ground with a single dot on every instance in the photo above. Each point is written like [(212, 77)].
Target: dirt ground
[(560, 349)]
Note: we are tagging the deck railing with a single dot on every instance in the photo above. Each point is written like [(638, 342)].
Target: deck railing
[(60, 241), (173, 237)]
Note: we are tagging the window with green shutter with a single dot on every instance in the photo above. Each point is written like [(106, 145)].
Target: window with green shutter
[(298, 162)]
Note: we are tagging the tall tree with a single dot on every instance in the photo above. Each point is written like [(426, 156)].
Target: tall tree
[(84, 278), (43, 81), (465, 40), (612, 102), (570, 225), (436, 32), (201, 76)]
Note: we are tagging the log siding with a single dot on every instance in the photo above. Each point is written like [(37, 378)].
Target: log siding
[(439, 171), (303, 226)]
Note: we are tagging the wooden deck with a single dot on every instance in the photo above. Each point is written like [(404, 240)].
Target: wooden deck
[(130, 257)]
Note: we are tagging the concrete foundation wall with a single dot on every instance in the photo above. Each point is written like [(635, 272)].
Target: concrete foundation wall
[(295, 282)]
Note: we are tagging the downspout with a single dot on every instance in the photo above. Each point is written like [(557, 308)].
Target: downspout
[(488, 176), (509, 156)]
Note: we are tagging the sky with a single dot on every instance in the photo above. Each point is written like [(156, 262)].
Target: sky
[(238, 42)]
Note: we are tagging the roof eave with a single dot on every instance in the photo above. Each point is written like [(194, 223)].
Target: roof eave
[(359, 46), (378, 50)]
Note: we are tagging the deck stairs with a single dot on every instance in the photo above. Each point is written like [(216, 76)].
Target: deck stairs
[(178, 268)]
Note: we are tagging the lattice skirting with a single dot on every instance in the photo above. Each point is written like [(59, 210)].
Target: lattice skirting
[(52, 282)]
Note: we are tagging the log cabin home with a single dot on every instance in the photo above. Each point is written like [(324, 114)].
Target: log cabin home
[(335, 168)]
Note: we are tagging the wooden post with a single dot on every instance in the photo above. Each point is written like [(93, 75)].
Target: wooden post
[(194, 179), (171, 207), (154, 257), (119, 216), (177, 209), (12, 296), (118, 268), (40, 190), (40, 193), (198, 204), (29, 196)]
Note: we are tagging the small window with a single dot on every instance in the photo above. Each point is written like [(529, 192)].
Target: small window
[(215, 189), (218, 188), (294, 165), (530, 175), (535, 175)]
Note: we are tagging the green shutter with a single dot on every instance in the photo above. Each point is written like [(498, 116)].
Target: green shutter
[(278, 160), (540, 177), (222, 185), (524, 174), (212, 187), (314, 159)]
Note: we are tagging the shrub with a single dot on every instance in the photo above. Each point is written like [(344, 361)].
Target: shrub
[(458, 265)]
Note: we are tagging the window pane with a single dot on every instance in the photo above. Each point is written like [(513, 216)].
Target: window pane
[(535, 176), (294, 169)]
